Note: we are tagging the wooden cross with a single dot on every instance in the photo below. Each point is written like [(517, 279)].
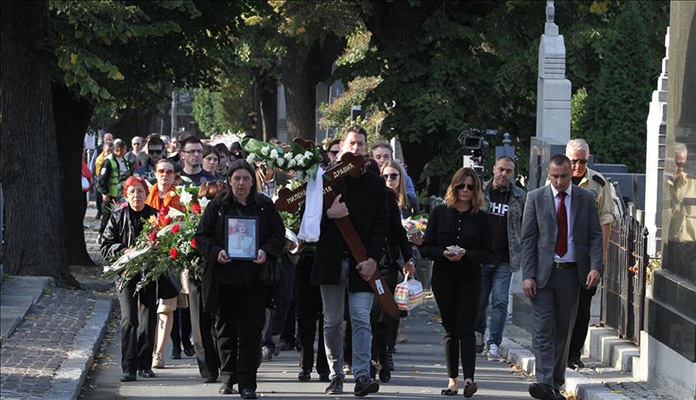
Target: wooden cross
[(290, 200)]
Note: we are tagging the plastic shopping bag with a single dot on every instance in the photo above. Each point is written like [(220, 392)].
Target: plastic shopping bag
[(408, 294)]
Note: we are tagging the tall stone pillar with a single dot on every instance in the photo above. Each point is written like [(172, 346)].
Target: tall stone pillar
[(669, 343), (655, 157), (553, 89), (553, 102)]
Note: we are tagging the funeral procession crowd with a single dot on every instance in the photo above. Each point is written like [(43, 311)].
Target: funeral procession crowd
[(232, 315)]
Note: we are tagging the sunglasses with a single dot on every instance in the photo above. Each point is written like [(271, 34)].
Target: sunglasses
[(165, 171), (192, 151), (581, 161), (680, 164), (392, 177), (154, 152), (334, 152), (465, 185)]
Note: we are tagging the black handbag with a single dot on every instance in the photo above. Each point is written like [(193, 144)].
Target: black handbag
[(270, 272)]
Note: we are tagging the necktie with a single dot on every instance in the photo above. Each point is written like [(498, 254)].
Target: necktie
[(562, 216)]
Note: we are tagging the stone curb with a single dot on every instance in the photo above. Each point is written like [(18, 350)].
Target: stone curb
[(576, 383), (70, 376)]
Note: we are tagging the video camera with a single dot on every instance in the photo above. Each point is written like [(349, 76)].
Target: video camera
[(474, 140)]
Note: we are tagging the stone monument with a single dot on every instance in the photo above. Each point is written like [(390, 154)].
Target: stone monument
[(655, 157), (553, 102)]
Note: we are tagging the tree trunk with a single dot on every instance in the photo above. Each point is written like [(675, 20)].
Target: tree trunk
[(133, 122), (72, 115), (30, 169), (300, 99), (304, 66)]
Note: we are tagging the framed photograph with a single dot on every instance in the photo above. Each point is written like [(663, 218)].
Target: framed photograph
[(242, 237)]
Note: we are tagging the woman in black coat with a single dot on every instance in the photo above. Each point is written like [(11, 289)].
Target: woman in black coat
[(231, 288), (138, 311)]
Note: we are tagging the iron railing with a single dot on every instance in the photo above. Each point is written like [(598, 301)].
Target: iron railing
[(623, 283)]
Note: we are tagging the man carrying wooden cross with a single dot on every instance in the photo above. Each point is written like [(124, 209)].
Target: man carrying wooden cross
[(364, 201)]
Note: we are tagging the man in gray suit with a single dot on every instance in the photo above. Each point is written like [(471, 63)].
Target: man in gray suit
[(561, 250)]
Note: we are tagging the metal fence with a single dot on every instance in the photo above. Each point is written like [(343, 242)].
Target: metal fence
[(623, 283)]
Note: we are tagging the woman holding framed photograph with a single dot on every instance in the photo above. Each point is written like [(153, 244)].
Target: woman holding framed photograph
[(231, 286)]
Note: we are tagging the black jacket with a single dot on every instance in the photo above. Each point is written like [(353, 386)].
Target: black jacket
[(120, 232), (366, 199), (211, 237), (397, 241), (449, 227)]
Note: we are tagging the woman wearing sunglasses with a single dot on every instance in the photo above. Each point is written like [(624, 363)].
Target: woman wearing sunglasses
[(457, 241), (393, 174), (398, 258), (162, 194)]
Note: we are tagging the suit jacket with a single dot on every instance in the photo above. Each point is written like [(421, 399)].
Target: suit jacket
[(539, 231)]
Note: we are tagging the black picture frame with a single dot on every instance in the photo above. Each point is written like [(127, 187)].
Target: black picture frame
[(241, 237)]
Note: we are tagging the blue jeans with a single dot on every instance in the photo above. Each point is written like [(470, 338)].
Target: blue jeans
[(495, 283), (360, 304)]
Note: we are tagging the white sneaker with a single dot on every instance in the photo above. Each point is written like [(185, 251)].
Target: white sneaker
[(494, 353), (479, 342)]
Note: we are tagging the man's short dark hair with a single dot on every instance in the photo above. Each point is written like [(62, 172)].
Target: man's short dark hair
[(333, 143), (506, 158), (382, 144), (188, 140), (152, 141), (559, 159), (355, 128)]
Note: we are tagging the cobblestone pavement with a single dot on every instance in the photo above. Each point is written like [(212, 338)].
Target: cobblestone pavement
[(30, 357)]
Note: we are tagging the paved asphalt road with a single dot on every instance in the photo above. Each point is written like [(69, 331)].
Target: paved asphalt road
[(420, 373)]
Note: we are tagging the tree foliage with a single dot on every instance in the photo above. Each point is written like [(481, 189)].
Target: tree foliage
[(451, 65), (617, 106)]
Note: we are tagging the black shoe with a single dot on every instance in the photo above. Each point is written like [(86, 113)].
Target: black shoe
[(336, 386), (304, 376), (541, 391), (575, 363), (390, 361), (469, 389), (128, 378), (189, 350), (286, 345), (246, 393), (226, 388), (147, 373), (384, 375), (324, 377), (210, 379), (176, 354), (365, 386), (558, 394)]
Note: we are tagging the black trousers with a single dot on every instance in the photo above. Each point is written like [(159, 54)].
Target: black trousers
[(383, 325), (181, 329), (138, 326), (582, 322), (203, 334), (106, 212), (457, 291), (309, 315), (238, 326)]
